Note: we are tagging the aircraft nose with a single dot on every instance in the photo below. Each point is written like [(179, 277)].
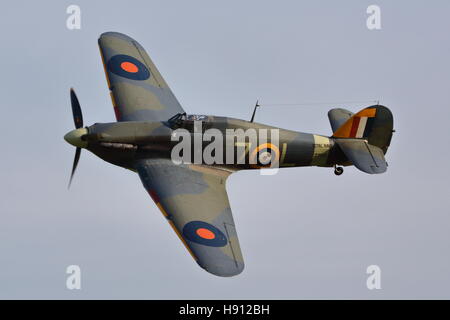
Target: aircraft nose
[(74, 137)]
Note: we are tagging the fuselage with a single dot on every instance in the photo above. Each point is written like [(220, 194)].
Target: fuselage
[(122, 143)]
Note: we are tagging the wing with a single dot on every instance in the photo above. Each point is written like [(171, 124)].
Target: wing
[(364, 156), (138, 91), (195, 202)]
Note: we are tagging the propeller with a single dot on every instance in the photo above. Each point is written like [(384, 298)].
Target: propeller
[(76, 109), (75, 135), (75, 163)]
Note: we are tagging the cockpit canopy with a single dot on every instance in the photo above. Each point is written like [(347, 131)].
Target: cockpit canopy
[(197, 117), (189, 121)]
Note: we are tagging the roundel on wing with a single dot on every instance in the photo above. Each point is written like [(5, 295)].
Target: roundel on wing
[(204, 233), (128, 67)]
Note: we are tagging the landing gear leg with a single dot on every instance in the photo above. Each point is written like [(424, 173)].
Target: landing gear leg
[(338, 170)]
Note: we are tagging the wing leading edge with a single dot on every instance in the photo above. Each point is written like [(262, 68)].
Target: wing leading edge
[(138, 91), (195, 203)]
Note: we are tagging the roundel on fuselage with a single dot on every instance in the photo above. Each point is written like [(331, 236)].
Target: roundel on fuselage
[(265, 155)]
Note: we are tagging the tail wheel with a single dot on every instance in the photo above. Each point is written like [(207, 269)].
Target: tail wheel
[(338, 170)]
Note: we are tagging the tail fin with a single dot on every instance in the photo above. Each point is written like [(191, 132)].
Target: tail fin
[(373, 124), (338, 117)]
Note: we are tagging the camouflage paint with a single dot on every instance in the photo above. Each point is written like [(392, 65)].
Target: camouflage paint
[(193, 198)]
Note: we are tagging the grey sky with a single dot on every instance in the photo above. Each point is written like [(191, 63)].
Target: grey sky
[(304, 232)]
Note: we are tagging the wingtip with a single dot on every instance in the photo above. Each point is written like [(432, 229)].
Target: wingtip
[(223, 271), (115, 34)]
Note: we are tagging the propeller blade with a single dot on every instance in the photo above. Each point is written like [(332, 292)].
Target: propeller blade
[(75, 163), (76, 109)]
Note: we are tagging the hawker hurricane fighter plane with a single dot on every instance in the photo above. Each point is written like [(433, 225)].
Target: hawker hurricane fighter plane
[(190, 190)]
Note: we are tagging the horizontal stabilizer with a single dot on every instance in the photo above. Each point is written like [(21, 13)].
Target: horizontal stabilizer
[(364, 156)]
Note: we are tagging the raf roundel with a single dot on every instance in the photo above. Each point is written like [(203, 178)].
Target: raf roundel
[(265, 155), (128, 67), (204, 233)]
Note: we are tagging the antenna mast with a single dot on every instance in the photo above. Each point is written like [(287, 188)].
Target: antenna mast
[(254, 111)]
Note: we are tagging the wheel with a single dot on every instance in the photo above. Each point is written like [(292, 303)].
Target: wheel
[(338, 171)]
